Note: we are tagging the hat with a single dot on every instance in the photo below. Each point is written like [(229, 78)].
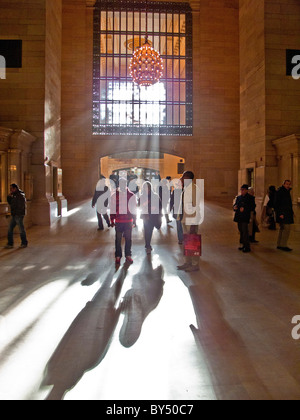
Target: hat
[(245, 187)]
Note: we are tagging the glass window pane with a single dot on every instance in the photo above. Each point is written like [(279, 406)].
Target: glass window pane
[(182, 115), (176, 24), (169, 23), (116, 44), (103, 67), (156, 22), (169, 115), (103, 21), (182, 46), (129, 21), (182, 23), (182, 69), (117, 21), (163, 23), (182, 91)]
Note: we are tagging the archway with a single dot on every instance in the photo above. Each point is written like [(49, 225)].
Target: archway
[(143, 164)]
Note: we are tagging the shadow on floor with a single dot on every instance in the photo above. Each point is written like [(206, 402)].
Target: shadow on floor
[(232, 372), (88, 339), (140, 300)]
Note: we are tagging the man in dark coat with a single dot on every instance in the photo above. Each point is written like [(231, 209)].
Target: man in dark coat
[(283, 206), (244, 205), (102, 204), (17, 202)]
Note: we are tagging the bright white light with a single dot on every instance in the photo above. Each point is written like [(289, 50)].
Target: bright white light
[(71, 212), (148, 113)]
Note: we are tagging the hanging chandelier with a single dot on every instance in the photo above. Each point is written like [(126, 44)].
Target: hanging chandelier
[(146, 65)]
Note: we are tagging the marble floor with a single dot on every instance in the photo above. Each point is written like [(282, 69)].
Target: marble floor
[(73, 327)]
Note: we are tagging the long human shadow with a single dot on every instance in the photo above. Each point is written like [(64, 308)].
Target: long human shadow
[(143, 297), (88, 339), (226, 355)]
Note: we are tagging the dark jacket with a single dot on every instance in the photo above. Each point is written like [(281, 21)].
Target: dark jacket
[(17, 203), (283, 205), (248, 203)]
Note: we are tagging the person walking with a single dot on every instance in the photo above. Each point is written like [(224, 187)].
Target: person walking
[(244, 205), (151, 213), (122, 211), (189, 216), (101, 199), (283, 206), (17, 202)]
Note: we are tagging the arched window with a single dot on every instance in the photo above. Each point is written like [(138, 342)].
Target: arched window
[(119, 105)]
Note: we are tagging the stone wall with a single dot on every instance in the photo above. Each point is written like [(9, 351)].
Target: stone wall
[(270, 106), (30, 96)]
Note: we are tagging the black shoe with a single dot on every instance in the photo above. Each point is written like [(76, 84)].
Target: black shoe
[(286, 249), (254, 241), (241, 248), (245, 250)]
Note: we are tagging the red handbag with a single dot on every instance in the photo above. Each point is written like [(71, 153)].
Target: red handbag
[(192, 245)]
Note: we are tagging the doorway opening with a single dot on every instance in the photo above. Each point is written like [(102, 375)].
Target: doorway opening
[(142, 165)]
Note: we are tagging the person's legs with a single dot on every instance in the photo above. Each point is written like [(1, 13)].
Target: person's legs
[(245, 236), (119, 236), (100, 222), (148, 232), (179, 231), (284, 234), (10, 234), (106, 218), (20, 223), (128, 239)]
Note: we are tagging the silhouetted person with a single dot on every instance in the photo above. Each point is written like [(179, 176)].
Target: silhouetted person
[(122, 211), (101, 201), (17, 202), (284, 214), (243, 207)]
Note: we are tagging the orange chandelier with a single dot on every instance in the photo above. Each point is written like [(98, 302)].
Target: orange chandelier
[(146, 65)]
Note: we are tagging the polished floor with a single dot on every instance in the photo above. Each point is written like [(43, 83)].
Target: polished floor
[(73, 327)]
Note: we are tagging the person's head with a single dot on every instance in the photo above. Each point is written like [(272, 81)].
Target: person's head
[(272, 189), (244, 189), (187, 177), (287, 184), (14, 188)]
